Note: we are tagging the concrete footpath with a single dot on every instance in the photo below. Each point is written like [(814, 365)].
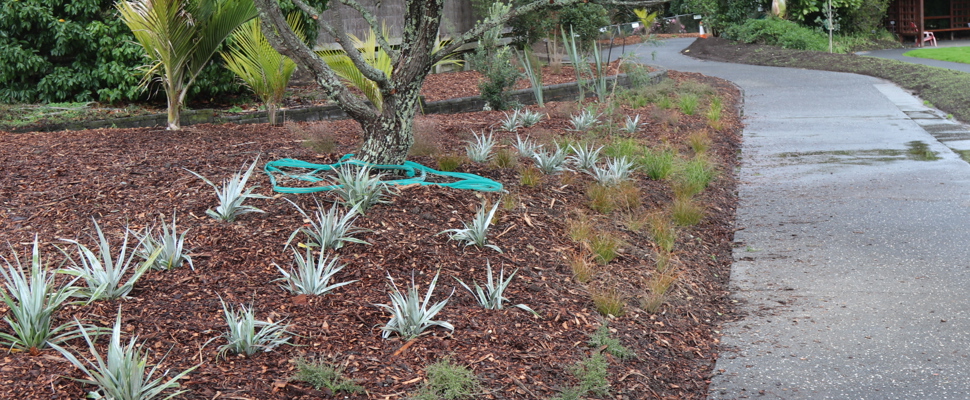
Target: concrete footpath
[(852, 263)]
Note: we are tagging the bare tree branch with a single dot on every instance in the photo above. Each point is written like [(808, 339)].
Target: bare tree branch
[(369, 18), (353, 53)]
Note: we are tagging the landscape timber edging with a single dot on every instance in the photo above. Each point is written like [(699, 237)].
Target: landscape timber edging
[(558, 92)]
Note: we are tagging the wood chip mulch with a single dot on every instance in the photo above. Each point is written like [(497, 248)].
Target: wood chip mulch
[(53, 184)]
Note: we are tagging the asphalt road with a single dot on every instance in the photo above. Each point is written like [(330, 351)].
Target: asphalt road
[(852, 265)]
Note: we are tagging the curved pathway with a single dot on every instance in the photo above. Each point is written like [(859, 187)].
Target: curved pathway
[(852, 265)]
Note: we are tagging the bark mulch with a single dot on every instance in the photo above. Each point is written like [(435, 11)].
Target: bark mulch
[(53, 184)]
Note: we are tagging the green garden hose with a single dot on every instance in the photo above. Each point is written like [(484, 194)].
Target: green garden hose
[(414, 172)]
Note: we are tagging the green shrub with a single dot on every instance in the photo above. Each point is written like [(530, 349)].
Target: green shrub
[(449, 381), (778, 32), (321, 374)]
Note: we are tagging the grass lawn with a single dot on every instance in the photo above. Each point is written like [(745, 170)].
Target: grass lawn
[(954, 54)]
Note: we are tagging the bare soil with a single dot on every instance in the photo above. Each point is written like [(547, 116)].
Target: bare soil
[(53, 184)]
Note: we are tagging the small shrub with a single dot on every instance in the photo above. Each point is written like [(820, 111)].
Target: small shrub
[(410, 315), (602, 339), (778, 32), (448, 381), (585, 157), (639, 74), (591, 374), (231, 195), (449, 162), (585, 120), (320, 374), (551, 163), (171, 246), (526, 147), (605, 247), (328, 230), (686, 212), (608, 302)]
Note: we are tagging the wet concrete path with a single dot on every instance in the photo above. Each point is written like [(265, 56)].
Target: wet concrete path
[(852, 265)]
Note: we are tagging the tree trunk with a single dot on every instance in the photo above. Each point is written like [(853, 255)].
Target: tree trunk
[(271, 112), (174, 122), (388, 137)]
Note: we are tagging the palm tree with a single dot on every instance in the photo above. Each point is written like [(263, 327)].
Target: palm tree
[(180, 37), (265, 71)]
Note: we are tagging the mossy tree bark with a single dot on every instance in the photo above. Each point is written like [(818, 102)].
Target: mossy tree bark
[(388, 133)]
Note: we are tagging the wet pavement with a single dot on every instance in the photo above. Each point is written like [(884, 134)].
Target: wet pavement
[(852, 259)]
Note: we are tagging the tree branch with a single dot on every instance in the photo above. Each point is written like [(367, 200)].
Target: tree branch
[(282, 38), (369, 18), (353, 53)]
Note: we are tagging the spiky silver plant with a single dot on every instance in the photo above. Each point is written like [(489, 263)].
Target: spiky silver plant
[(358, 188), (511, 122), (480, 149), (232, 194), (526, 147), (476, 233), (104, 274), (585, 156), (410, 314), (528, 118), (247, 335), (330, 229), (584, 121), (551, 162), (616, 170), (492, 295), (312, 275), (632, 124), (171, 245)]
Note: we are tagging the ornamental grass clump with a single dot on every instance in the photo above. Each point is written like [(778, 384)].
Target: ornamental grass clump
[(312, 275), (247, 335), (32, 301), (410, 314), (693, 176), (476, 233), (491, 296), (328, 230), (120, 373), (171, 247), (232, 194), (103, 274), (657, 164), (480, 149)]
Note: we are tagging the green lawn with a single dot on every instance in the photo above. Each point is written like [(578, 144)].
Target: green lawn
[(954, 54)]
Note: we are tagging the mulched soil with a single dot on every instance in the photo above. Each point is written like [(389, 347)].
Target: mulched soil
[(53, 184)]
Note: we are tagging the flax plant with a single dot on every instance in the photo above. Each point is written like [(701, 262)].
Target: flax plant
[(312, 275), (232, 194), (328, 230), (104, 274), (476, 233), (170, 244), (410, 314), (492, 295), (247, 335), (179, 37), (120, 373), (32, 299)]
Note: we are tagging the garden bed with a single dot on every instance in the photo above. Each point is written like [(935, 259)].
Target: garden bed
[(53, 184)]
